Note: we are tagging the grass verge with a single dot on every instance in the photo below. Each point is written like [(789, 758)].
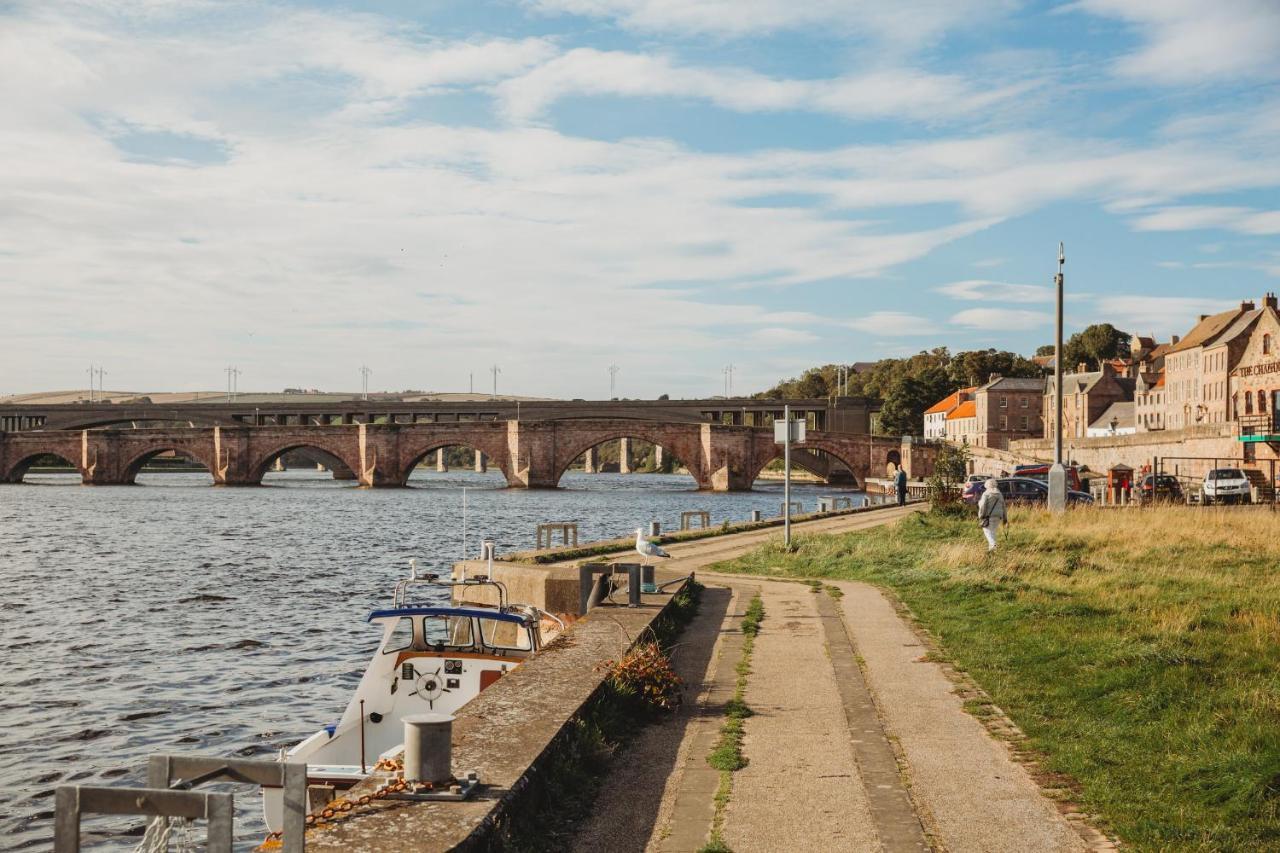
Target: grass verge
[(727, 755), (1138, 651)]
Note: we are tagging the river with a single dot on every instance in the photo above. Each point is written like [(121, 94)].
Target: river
[(176, 617)]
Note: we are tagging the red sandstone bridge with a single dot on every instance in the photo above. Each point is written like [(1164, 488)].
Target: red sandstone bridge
[(724, 448)]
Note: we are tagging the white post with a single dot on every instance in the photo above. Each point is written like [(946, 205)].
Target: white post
[(786, 478)]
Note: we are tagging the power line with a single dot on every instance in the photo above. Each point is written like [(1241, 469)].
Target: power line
[(233, 382), (613, 379), (495, 370), (364, 378)]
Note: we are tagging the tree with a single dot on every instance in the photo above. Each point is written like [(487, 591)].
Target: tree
[(1094, 345), (976, 367), (1045, 349)]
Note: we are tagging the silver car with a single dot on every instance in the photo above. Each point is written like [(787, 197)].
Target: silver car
[(1225, 485)]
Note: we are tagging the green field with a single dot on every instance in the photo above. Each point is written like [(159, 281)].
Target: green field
[(1138, 650)]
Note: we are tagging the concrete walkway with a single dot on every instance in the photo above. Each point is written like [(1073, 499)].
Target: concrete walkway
[(858, 742)]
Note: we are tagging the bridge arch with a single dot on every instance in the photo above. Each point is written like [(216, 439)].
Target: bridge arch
[(838, 453), (18, 470), (493, 452), (340, 459), (134, 465), (685, 449)]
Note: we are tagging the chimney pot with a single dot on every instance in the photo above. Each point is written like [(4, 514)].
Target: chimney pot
[(1247, 306), (1269, 300), (1174, 339), (1204, 317)]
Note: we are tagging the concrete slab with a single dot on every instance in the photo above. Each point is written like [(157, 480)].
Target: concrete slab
[(802, 789), (977, 797)]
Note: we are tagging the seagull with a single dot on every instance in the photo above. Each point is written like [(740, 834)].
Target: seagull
[(647, 548)]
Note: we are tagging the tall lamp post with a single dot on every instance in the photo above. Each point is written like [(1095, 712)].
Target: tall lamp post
[(1058, 473)]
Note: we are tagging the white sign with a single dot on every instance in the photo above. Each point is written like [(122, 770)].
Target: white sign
[(780, 431)]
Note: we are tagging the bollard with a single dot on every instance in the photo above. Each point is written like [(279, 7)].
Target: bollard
[(487, 550), (428, 747), (654, 528), (755, 515)]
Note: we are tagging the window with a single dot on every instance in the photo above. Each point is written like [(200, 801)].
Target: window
[(1248, 403), (1004, 402), (1004, 422), (1025, 422), (401, 636), (1262, 401), (1266, 345), (1026, 402), (447, 630), (504, 635)]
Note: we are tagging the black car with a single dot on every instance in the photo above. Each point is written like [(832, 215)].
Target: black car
[(1024, 490), (1161, 487)]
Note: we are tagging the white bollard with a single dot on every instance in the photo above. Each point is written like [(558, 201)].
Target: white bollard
[(654, 528), (428, 747)]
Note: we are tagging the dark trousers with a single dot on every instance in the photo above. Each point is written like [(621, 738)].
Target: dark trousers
[(902, 497)]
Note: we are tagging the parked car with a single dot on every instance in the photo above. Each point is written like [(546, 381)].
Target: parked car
[(1041, 472), (1025, 490), (1162, 487), (1225, 485), (973, 488)]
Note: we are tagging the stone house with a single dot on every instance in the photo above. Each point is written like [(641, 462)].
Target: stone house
[(1086, 395), (1198, 367), (1008, 409)]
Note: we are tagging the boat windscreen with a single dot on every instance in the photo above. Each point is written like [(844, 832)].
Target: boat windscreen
[(505, 635), (447, 630)]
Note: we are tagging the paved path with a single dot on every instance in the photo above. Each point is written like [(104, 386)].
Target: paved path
[(858, 742)]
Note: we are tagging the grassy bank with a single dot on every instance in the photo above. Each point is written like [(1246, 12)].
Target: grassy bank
[(1139, 651)]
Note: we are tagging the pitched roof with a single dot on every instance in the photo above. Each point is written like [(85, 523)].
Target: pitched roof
[(967, 409), (1206, 330), (948, 402), (1015, 383), (1122, 412), (1242, 324)]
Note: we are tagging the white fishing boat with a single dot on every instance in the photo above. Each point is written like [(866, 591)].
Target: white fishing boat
[(434, 657)]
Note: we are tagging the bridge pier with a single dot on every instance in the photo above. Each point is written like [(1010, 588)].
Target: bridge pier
[(659, 458), (441, 465), (481, 463), (624, 456), (591, 460)]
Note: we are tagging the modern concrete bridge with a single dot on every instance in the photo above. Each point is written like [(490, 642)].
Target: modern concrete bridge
[(529, 453)]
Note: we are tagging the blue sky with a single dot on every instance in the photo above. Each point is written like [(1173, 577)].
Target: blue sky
[(430, 188)]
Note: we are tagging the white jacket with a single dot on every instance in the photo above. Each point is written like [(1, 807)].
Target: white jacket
[(991, 505)]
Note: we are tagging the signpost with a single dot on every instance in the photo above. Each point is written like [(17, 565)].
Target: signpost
[(1057, 472), (785, 432)]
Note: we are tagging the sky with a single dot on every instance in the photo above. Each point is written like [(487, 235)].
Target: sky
[(430, 188)]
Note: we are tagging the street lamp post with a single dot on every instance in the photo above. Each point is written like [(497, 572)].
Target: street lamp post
[(613, 380), (364, 378), (1058, 473)]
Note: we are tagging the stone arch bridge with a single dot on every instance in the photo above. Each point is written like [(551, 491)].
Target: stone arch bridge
[(530, 454)]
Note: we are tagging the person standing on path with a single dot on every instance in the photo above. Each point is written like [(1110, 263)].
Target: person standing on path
[(991, 513), (900, 483)]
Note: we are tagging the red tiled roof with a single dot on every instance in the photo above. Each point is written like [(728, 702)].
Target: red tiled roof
[(948, 403), (967, 409)]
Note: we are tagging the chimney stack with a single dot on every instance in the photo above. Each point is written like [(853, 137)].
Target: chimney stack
[(1269, 301), (1082, 368), (1174, 339), (1247, 306)]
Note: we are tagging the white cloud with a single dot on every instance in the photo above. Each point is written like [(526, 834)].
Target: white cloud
[(1159, 315), (1244, 220), (875, 94), (975, 290), (777, 336), (894, 324), (901, 23), (1190, 41), (1000, 319)]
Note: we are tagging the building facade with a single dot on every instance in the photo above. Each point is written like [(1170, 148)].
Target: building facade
[(1086, 395), (962, 423), (935, 417), (1008, 409)]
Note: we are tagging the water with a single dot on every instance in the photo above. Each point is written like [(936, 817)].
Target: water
[(176, 617)]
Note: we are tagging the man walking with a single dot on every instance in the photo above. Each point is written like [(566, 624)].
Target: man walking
[(991, 513), (900, 484)]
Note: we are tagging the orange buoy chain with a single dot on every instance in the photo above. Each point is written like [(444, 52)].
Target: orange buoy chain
[(343, 808)]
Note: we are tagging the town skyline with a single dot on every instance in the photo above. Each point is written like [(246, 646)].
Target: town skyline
[(556, 186)]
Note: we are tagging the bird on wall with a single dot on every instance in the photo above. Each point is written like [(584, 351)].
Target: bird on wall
[(646, 548)]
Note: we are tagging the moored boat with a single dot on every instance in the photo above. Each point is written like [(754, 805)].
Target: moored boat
[(433, 657)]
